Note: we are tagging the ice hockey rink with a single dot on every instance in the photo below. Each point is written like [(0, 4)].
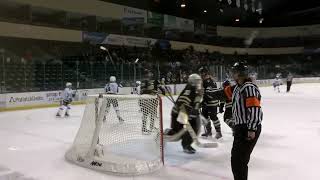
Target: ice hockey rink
[(33, 144)]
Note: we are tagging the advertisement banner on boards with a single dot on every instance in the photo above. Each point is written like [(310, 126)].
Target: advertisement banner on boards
[(2, 100), (31, 98), (53, 96), (43, 98)]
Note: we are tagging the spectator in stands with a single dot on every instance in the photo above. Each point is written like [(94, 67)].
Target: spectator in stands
[(184, 77)]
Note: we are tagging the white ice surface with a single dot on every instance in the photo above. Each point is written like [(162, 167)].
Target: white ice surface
[(33, 144)]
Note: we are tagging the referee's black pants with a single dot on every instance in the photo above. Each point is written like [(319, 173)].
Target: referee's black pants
[(241, 151)]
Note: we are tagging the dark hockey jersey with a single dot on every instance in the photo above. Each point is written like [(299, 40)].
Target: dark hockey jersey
[(209, 86), (151, 87), (190, 101)]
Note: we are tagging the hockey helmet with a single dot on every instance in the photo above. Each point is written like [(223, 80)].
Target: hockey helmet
[(68, 84), (241, 68), (113, 79), (226, 83), (203, 70), (195, 80), (209, 83)]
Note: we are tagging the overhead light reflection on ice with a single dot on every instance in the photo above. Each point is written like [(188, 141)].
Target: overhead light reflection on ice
[(12, 148)]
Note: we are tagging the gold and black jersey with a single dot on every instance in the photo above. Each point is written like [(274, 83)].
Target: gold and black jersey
[(189, 101)]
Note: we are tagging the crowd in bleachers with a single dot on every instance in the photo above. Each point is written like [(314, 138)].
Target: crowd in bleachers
[(35, 65)]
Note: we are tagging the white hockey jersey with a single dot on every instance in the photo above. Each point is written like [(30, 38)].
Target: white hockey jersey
[(136, 90), (112, 88), (67, 94), (277, 82)]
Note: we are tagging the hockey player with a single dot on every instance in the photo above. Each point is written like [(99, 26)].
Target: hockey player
[(276, 83), (289, 82), (151, 87), (227, 117), (187, 105), (113, 88), (209, 106), (137, 88), (67, 96)]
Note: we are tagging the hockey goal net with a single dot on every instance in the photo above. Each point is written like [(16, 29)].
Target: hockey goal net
[(120, 134)]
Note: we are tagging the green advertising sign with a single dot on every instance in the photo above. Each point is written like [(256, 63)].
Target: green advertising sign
[(155, 19)]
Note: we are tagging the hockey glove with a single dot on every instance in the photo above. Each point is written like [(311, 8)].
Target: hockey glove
[(183, 118), (251, 135)]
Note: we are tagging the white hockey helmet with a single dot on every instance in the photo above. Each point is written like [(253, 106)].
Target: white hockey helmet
[(113, 79), (68, 84), (138, 82), (195, 81)]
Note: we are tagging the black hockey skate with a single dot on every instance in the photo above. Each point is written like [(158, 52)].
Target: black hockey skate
[(169, 132), (189, 150), (206, 134), (66, 115), (218, 135)]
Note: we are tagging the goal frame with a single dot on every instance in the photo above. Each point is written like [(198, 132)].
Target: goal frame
[(91, 158)]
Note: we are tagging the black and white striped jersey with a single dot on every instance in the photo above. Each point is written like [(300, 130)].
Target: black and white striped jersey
[(246, 107)]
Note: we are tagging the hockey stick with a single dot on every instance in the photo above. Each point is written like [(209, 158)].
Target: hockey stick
[(196, 140), (193, 134), (175, 137), (171, 100), (170, 95), (189, 129)]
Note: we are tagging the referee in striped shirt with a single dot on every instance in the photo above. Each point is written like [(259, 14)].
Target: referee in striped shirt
[(247, 113)]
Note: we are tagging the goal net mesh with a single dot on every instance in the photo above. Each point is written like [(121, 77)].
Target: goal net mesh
[(120, 134)]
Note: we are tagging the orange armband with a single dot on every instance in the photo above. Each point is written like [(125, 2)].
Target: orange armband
[(252, 102)]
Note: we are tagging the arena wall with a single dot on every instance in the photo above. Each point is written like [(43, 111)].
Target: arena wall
[(29, 100)]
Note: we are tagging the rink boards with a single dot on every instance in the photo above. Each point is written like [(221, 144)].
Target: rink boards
[(29, 100)]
